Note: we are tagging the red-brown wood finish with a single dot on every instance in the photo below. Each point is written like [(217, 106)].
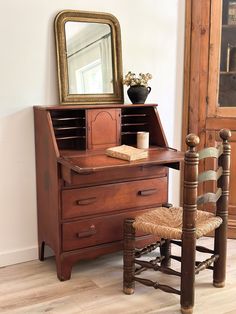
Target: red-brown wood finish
[(115, 175), (48, 184), (202, 112), (113, 197), (103, 127), (83, 195)]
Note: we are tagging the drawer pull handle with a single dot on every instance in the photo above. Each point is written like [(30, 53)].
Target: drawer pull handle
[(86, 201), (88, 233), (147, 192)]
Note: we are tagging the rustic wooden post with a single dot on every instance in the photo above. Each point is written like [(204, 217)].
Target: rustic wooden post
[(222, 211), (189, 225), (129, 256), (165, 248)]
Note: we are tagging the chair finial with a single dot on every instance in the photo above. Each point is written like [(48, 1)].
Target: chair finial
[(192, 140), (225, 134)]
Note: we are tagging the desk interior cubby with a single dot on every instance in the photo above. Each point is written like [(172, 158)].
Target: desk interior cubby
[(80, 128), (141, 119), (69, 128), (133, 120)]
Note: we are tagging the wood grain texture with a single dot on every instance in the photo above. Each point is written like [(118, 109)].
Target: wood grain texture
[(197, 31), (115, 175), (96, 287), (92, 163), (202, 113)]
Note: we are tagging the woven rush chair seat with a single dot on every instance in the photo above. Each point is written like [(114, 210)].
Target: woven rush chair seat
[(167, 222)]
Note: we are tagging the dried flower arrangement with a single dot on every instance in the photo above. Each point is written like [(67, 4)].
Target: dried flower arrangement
[(131, 79)]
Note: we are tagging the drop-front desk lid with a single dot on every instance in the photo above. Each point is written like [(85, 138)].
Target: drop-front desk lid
[(93, 161)]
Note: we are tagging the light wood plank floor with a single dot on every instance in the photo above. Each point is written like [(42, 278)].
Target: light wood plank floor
[(96, 287)]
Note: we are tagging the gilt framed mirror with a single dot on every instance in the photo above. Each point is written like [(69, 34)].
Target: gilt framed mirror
[(89, 61)]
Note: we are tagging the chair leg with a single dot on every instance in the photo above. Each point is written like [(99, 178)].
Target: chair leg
[(129, 256), (165, 250), (221, 250), (220, 246), (187, 272)]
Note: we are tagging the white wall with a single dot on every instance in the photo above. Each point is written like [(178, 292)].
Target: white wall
[(152, 41)]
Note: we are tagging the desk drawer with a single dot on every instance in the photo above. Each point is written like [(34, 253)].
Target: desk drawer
[(108, 198), (109, 176), (90, 232)]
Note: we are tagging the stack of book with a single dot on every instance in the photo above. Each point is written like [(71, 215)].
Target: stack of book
[(126, 152)]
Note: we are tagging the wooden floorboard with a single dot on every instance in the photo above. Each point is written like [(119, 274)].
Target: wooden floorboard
[(96, 288)]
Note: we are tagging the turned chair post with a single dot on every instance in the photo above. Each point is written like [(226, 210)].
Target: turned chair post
[(189, 224), (220, 246), (165, 248), (129, 256)]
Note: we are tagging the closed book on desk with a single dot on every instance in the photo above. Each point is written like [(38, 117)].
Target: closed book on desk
[(126, 152)]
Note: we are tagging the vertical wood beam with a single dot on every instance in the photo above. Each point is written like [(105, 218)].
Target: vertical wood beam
[(196, 65), (197, 32), (187, 61)]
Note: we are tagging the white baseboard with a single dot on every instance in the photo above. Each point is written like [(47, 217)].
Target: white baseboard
[(21, 255)]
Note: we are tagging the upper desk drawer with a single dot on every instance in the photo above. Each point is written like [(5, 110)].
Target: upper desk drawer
[(110, 176), (108, 198)]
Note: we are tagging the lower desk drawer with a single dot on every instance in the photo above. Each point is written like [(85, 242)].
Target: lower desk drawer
[(108, 198), (90, 232)]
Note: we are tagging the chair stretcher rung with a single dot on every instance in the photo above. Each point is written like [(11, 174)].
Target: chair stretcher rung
[(206, 264), (154, 266), (156, 285)]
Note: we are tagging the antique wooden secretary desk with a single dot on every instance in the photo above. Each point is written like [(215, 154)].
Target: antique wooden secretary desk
[(83, 195)]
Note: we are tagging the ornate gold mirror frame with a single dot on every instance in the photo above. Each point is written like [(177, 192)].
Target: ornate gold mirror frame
[(115, 94)]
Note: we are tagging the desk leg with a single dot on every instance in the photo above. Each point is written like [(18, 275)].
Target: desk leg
[(41, 247), (64, 268)]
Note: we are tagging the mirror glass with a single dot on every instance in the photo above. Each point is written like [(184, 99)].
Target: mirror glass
[(89, 58), (88, 48)]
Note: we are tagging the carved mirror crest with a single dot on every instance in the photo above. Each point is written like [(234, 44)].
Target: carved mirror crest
[(89, 61)]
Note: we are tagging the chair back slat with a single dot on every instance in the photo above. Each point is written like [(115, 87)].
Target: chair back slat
[(209, 197), (210, 175), (213, 152)]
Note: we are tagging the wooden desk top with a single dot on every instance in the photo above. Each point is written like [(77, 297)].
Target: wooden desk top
[(86, 162), (97, 106)]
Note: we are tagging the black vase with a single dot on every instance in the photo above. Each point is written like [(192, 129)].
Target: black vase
[(138, 93)]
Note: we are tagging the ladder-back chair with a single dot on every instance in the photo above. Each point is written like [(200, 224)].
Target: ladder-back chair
[(183, 226)]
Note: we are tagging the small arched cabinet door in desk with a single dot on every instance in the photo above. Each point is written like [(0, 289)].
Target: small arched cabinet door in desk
[(84, 195)]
